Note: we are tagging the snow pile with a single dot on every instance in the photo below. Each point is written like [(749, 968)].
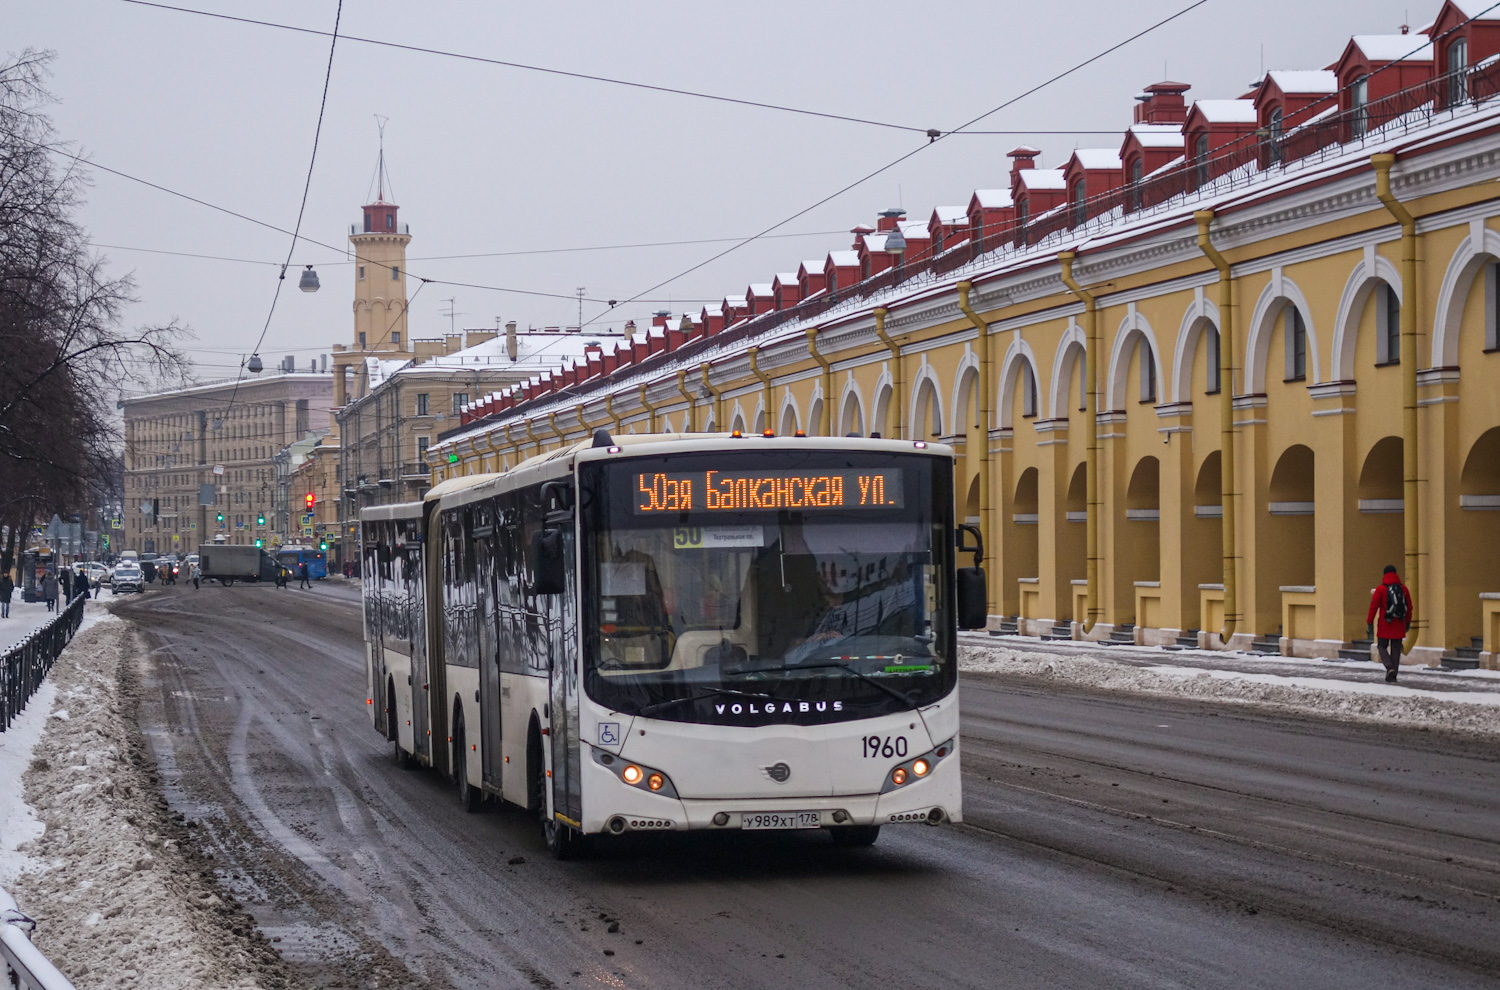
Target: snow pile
[(119, 899), (1352, 701)]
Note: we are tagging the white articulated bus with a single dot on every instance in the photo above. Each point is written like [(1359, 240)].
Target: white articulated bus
[(696, 631)]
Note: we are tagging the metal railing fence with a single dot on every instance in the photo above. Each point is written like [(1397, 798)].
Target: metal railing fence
[(25, 666)]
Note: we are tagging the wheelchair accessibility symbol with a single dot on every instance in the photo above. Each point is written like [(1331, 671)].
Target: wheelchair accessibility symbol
[(609, 733)]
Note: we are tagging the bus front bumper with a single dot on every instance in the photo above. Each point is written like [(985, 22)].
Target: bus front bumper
[(933, 800)]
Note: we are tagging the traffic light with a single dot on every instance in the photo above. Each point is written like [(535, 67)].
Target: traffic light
[(322, 544), (260, 543), (221, 517), (260, 520), (311, 501)]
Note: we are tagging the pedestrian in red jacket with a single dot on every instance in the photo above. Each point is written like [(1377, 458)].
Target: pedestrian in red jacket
[(1389, 617)]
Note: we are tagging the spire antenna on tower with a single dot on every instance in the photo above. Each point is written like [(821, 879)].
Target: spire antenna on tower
[(382, 177)]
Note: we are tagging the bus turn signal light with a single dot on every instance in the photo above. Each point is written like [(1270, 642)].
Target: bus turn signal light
[(632, 774), (920, 768), (655, 781), (898, 776)]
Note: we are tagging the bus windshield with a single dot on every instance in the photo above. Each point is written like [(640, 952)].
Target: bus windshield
[(768, 587)]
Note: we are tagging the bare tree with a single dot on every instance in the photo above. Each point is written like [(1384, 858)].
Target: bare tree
[(64, 357)]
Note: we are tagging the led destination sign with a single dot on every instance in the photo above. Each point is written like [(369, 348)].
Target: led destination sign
[(741, 491)]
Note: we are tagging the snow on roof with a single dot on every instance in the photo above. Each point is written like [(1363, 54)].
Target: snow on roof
[(1476, 10), (845, 259), (1226, 111), (952, 214), (875, 242), (813, 265), (713, 310), (1043, 178), (915, 230), (760, 288), (1091, 158), (1394, 47), (734, 302), (785, 278), (1157, 135), (1319, 81), (539, 349), (1024, 150), (995, 199)]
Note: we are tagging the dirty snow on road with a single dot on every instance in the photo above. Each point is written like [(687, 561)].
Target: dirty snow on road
[(1341, 700), (119, 896)]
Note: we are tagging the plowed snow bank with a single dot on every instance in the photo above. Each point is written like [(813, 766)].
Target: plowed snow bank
[(117, 899), (1340, 700)]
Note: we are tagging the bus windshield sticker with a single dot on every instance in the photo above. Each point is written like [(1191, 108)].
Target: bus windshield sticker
[(740, 491), (716, 537)]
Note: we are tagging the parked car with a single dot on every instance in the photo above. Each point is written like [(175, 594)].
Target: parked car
[(127, 577)]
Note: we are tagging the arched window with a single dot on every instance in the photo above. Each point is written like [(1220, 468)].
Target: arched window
[(1211, 356), (1137, 173), (1458, 71), (1200, 159), (1274, 137), (1080, 207), (1028, 395)]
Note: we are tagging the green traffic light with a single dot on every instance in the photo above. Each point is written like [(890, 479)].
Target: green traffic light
[(323, 545), (260, 520), (260, 543), (221, 517)]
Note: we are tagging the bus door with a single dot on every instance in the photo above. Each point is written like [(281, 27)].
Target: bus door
[(374, 640), (416, 633), (560, 627), (485, 546)]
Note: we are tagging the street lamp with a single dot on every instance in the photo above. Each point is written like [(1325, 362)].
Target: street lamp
[(253, 365), (309, 280)]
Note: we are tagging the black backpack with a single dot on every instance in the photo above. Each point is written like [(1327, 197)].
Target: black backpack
[(1395, 603)]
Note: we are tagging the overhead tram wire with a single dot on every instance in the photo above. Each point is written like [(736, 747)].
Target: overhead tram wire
[(919, 149), (929, 132), (302, 208), (64, 153)]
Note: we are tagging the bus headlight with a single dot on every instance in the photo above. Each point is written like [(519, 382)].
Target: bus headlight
[(636, 775), (918, 767)]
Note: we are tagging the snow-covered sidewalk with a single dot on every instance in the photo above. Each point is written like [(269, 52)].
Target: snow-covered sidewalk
[(25, 619), (1354, 691)]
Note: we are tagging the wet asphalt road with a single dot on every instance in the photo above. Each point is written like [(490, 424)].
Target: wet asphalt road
[(1109, 843)]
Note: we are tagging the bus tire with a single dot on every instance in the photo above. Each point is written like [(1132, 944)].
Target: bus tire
[(468, 795), (854, 836)]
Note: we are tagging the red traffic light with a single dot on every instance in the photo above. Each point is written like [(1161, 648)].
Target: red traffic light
[(311, 500)]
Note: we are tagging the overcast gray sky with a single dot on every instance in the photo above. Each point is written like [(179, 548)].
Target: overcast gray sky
[(492, 159)]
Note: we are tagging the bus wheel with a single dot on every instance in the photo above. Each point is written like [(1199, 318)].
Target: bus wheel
[(468, 795), (855, 835), (404, 760)]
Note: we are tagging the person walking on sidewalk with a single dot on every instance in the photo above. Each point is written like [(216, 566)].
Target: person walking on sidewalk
[(7, 588), (302, 581), (49, 590), (193, 571), (1389, 617)]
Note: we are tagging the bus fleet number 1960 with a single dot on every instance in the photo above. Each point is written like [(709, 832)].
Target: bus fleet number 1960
[(889, 747)]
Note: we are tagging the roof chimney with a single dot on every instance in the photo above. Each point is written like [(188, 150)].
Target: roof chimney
[(1021, 158), (660, 317), (1162, 103), (512, 346), (888, 220)]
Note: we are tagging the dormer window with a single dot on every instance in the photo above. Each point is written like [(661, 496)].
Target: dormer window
[(1137, 173), (1458, 71), (1273, 135), (1080, 204), (1200, 159), (1359, 105)]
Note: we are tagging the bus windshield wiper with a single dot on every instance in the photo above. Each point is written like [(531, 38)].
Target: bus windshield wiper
[(702, 695), (828, 665)]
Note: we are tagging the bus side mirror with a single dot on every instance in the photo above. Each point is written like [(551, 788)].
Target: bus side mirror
[(548, 575), (973, 596), (973, 607)]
